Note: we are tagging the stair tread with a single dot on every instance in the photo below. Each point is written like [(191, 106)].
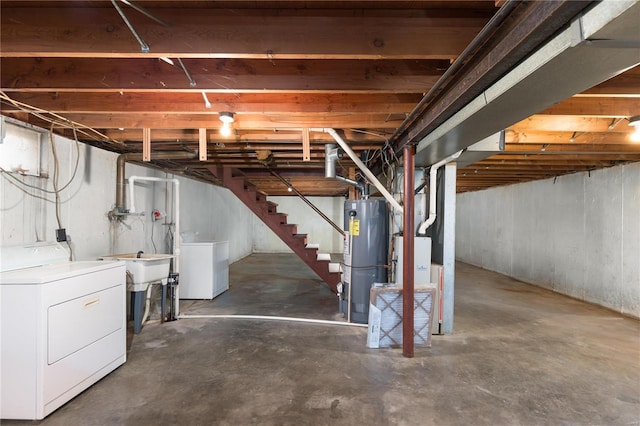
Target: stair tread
[(324, 257), (267, 210), (335, 267)]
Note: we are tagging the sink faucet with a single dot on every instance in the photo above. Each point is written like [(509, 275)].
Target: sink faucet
[(139, 254)]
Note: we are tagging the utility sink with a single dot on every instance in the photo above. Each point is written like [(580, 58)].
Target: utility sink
[(147, 268)]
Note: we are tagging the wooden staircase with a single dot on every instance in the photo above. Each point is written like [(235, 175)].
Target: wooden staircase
[(277, 222)]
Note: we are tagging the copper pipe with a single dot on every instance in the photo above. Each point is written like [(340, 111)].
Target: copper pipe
[(407, 250)]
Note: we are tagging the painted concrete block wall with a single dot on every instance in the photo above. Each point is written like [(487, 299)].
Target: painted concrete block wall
[(578, 235), (83, 203), (215, 214), (211, 211), (309, 222)]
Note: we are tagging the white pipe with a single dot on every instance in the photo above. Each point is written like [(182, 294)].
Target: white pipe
[(351, 269), (176, 234), (267, 317), (423, 201), (147, 305), (372, 178), (432, 192)]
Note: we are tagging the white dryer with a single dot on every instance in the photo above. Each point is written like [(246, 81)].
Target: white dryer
[(62, 327)]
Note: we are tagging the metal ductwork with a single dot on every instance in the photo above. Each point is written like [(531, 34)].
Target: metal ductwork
[(600, 43), (331, 154), (369, 175)]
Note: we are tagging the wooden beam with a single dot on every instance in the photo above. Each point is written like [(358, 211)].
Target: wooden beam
[(533, 137), (568, 148), (202, 143), (596, 107), (509, 167), (568, 123), (352, 189), (230, 146), (146, 144), (265, 34), (306, 145), (563, 157), (248, 103), (219, 75), (177, 121), (245, 136)]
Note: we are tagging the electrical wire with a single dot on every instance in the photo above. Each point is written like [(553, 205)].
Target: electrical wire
[(66, 185), (21, 185), (58, 119), (55, 176), (8, 175), (366, 132)]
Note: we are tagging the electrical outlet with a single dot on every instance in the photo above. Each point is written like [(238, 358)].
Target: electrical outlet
[(61, 235)]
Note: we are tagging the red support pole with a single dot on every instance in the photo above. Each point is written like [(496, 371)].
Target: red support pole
[(407, 250)]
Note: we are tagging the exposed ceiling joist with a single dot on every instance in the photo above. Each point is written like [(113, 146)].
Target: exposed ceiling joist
[(360, 67)]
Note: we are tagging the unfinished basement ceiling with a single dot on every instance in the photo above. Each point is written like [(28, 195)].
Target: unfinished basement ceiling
[(285, 68)]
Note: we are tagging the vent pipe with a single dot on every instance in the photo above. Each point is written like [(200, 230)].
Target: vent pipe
[(331, 154), (370, 176), (432, 192), (121, 186)]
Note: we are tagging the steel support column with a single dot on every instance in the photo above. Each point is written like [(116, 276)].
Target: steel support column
[(407, 272)]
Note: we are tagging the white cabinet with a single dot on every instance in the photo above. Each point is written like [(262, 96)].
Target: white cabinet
[(204, 269), (63, 328)]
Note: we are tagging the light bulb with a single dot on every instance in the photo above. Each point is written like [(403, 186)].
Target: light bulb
[(635, 136), (225, 130), (289, 189), (227, 119)]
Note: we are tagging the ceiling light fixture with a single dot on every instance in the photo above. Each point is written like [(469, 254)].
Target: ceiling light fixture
[(635, 122), (227, 119)]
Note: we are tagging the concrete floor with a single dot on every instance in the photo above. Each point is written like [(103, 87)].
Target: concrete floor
[(519, 355)]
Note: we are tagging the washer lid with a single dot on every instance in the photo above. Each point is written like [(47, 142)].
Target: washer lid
[(28, 255)]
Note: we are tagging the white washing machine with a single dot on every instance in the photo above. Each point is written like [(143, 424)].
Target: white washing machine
[(62, 327)]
